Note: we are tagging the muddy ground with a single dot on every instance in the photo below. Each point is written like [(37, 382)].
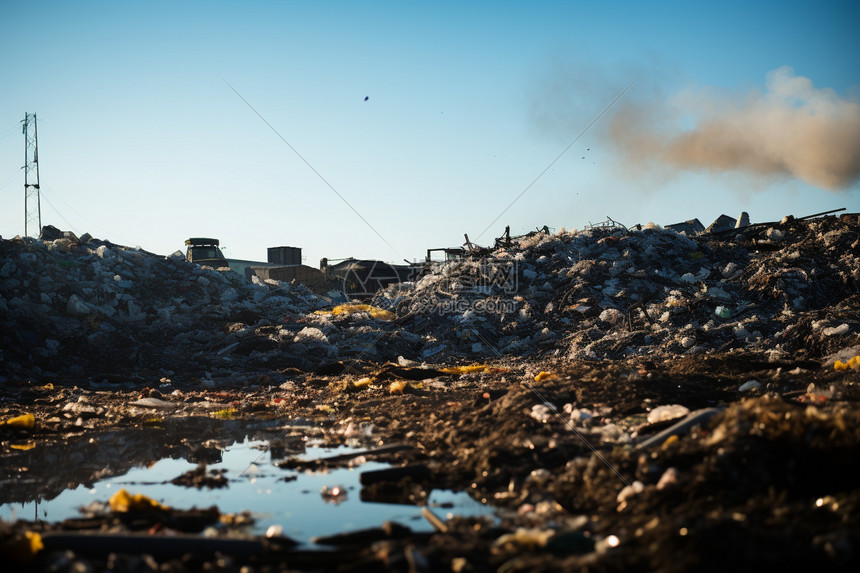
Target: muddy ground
[(766, 477)]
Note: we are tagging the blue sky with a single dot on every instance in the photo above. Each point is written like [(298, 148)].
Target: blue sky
[(142, 141)]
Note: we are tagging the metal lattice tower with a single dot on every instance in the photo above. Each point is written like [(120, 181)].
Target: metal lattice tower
[(32, 202)]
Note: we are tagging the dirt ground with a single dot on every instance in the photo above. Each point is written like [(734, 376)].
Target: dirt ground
[(761, 478)]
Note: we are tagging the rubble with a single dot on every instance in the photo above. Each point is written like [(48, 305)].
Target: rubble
[(88, 309), (682, 295), (623, 396)]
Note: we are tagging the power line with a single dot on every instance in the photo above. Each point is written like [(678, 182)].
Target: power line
[(82, 216), (318, 174), (7, 132), (11, 177), (553, 162), (60, 215)]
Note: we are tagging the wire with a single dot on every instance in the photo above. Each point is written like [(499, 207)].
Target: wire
[(8, 179), (6, 134), (76, 212), (323, 179), (7, 130), (60, 215), (553, 162)]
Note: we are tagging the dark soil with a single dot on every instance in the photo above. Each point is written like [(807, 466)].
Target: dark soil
[(769, 481)]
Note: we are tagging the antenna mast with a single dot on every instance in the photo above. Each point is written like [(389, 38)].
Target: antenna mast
[(32, 202)]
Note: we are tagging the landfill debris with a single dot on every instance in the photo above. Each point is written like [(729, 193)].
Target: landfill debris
[(398, 387), (853, 363), (711, 373), (23, 447), (837, 330), (666, 413), (334, 494), (749, 385), (373, 311), (434, 520), (669, 479), (526, 538), (630, 491), (124, 502), (22, 548), (23, 422), (692, 420), (466, 369), (93, 306), (199, 478)]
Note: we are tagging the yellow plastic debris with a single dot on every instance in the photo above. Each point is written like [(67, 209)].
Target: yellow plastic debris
[(545, 376), (225, 414), (23, 422), (236, 519), (853, 363), (35, 540), (22, 549), (398, 387), (465, 369), (364, 382), (123, 502), (24, 447), (373, 311)]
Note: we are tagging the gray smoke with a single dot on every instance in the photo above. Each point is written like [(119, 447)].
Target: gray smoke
[(791, 128)]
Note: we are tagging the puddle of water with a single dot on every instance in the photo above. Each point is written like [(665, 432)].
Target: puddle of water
[(256, 485)]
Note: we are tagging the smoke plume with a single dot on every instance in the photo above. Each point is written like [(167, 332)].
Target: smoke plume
[(790, 129)]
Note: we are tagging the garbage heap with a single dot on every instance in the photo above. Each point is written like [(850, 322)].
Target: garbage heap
[(72, 309), (789, 289), (89, 309)]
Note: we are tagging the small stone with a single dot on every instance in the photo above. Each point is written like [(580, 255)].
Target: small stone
[(749, 386)]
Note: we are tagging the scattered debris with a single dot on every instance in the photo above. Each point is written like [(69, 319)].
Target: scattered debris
[(621, 396)]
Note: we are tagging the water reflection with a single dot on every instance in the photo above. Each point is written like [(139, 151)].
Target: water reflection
[(53, 480)]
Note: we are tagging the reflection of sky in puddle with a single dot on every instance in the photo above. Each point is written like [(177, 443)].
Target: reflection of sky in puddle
[(295, 505)]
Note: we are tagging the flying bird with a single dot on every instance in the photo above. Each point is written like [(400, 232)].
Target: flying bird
[(366, 98)]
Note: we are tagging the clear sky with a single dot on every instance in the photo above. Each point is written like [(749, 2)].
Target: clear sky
[(428, 118)]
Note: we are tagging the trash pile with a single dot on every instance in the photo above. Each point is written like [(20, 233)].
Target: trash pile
[(612, 393), (75, 308), (608, 293)]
